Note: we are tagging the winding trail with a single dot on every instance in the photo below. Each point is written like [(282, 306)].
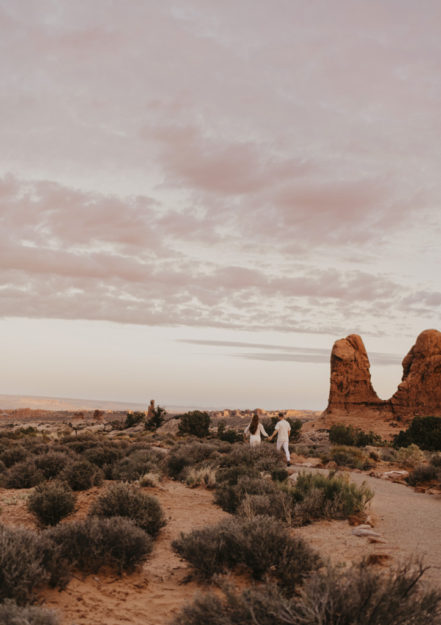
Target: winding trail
[(409, 522)]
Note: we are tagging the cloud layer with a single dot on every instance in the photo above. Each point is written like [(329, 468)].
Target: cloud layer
[(269, 166)]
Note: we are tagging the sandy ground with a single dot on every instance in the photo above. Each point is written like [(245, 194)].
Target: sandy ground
[(409, 523)]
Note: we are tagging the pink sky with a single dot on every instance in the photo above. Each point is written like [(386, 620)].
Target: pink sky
[(209, 194)]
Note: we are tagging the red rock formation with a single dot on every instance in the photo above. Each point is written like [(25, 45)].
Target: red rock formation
[(420, 390), (351, 387)]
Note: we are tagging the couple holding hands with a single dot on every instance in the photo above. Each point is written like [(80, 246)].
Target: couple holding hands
[(255, 430)]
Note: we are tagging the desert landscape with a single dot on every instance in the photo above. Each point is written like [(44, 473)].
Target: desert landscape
[(359, 491)]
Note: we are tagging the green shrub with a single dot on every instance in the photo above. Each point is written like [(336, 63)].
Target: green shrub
[(196, 423), (261, 544), (133, 418), (92, 543), (358, 596), (410, 456), (345, 456), (27, 561), (348, 435), (23, 474), (51, 502), (423, 431), (82, 475), (52, 463), (156, 420), (230, 495), (228, 434), (124, 500), (11, 614), (316, 496)]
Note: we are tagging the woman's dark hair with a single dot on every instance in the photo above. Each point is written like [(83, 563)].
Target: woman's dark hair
[(254, 423)]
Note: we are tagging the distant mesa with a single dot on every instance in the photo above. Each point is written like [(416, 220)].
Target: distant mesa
[(419, 392)]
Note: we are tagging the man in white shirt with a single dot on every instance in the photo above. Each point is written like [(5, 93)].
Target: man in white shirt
[(282, 430)]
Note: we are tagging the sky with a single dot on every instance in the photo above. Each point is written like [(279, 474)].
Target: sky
[(197, 198)]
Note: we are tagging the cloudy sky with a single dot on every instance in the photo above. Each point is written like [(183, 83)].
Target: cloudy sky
[(197, 198)]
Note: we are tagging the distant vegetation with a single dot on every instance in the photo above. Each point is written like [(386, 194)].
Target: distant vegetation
[(348, 435), (195, 423), (423, 431)]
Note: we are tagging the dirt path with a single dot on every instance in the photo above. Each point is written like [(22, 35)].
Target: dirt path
[(409, 522), (154, 595)]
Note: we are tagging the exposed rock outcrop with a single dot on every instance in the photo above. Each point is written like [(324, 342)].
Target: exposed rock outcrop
[(419, 393), (420, 390), (351, 387)]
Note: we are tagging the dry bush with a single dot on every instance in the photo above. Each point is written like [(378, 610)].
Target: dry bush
[(150, 479), (11, 454), (12, 614), (27, 561), (82, 475), (189, 454), (92, 543), (261, 544), (52, 463), (136, 464), (424, 473), (23, 474), (51, 502), (346, 456), (201, 476), (125, 500), (359, 596), (230, 495)]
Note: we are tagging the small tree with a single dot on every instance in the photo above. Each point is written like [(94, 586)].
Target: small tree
[(156, 419), (195, 422)]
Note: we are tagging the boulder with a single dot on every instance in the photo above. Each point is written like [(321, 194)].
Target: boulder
[(351, 387), (420, 390)]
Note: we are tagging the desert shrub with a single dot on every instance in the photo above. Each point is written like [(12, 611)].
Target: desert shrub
[(230, 495), (133, 418), (346, 456), (92, 543), (263, 458), (149, 479), (81, 442), (125, 500), (52, 463), (136, 464), (296, 425), (12, 614), (435, 460), (423, 473), (102, 455), (196, 423), (201, 476), (23, 474), (51, 502), (423, 431), (261, 544), (13, 454), (157, 419), (279, 474), (186, 455), (340, 434), (358, 596), (27, 561), (388, 454), (410, 456), (82, 475), (228, 434), (317, 496)]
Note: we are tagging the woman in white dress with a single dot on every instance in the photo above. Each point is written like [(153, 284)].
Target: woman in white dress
[(254, 430)]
